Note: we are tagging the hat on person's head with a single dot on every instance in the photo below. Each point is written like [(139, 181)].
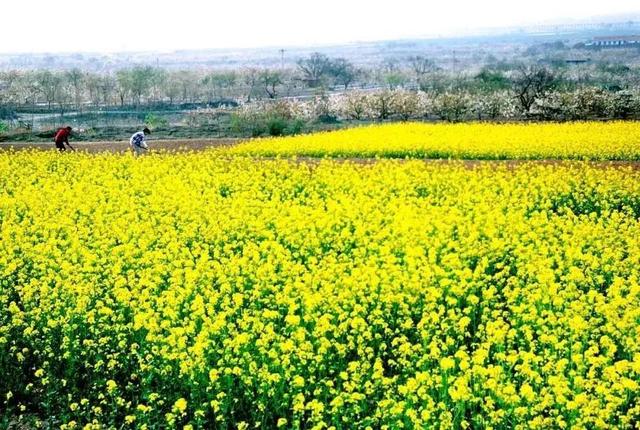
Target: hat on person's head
[(68, 128), (146, 130)]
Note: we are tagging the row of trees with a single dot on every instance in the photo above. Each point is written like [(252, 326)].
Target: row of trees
[(290, 116), (315, 74), (400, 104), (133, 87), (137, 86)]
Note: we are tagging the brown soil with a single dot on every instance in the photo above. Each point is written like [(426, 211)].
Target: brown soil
[(123, 146)]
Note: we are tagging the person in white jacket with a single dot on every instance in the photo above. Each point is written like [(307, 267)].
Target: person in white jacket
[(138, 143)]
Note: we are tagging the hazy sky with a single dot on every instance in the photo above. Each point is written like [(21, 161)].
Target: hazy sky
[(123, 25)]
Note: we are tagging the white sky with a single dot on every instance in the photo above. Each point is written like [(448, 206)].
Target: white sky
[(127, 25)]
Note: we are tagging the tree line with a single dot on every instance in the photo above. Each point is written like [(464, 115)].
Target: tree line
[(314, 75), (145, 85)]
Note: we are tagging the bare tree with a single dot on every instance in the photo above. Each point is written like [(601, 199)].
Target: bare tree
[(92, 83), (188, 82), (172, 87), (158, 83), (217, 82), (314, 69), (421, 66), (251, 78), (390, 65), (76, 80), (10, 87), (49, 85), (27, 88), (343, 72), (531, 84), (107, 87), (123, 87)]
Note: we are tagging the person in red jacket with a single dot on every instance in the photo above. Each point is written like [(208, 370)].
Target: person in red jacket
[(62, 137)]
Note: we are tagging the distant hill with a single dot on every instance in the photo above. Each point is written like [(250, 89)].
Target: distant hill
[(489, 40)]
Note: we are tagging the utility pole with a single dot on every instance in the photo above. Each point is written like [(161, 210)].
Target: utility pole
[(282, 59), (454, 69)]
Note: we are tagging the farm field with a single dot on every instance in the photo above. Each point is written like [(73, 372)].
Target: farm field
[(215, 289), (577, 141)]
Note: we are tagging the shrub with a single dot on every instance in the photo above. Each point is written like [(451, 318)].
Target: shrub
[(155, 121)]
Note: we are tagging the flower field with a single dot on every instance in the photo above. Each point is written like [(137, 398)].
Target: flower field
[(205, 290), (580, 141)]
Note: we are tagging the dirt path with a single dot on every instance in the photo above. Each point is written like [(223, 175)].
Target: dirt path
[(123, 146)]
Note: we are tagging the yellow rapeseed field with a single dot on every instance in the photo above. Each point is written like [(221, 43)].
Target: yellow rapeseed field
[(583, 140), (212, 291)]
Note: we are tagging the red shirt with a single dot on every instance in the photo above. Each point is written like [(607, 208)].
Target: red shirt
[(62, 136)]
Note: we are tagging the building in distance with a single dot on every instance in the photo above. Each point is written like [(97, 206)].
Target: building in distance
[(614, 42)]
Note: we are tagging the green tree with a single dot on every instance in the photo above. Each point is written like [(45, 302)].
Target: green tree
[(491, 80), (141, 81), (271, 80)]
